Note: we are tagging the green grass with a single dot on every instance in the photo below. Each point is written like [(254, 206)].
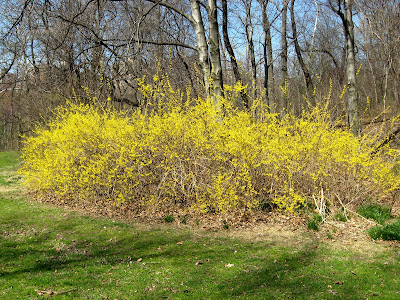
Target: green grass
[(51, 249), (375, 212), (387, 232), (314, 222), (169, 219), (8, 164), (340, 216), (9, 159)]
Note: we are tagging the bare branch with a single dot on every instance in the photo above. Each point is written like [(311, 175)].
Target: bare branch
[(19, 19), (168, 5)]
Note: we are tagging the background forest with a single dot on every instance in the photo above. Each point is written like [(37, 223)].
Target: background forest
[(292, 54)]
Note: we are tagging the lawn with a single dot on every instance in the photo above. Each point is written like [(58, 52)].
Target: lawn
[(48, 251)]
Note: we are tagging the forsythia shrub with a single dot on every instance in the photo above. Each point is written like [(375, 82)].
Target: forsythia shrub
[(189, 154)]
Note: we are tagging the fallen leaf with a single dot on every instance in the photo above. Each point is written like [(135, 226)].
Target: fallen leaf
[(339, 282), (53, 293), (333, 292), (229, 265), (199, 263), (179, 243), (41, 293), (140, 259)]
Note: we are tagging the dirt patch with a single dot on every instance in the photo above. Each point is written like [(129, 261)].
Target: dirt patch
[(291, 231), (12, 188)]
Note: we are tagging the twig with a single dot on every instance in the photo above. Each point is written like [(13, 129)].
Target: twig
[(53, 293), (337, 196), (344, 207), (364, 218)]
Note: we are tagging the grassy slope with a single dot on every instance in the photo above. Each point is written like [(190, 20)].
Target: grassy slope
[(8, 161), (46, 249)]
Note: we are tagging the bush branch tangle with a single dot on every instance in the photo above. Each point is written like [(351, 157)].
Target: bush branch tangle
[(176, 152)]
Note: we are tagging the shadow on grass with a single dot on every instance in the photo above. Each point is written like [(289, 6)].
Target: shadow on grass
[(43, 247), (91, 247)]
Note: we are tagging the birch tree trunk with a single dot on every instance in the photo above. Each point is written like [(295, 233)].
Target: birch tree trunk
[(284, 57), (213, 40), (202, 45)]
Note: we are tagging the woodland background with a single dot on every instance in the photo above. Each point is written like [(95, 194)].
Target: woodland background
[(292, 54)]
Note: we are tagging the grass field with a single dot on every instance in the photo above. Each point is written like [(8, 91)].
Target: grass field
[(48, 251)]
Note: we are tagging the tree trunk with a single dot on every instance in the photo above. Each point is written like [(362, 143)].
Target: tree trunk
[(249, 35), (229, 48), (269, 80), (213, 40), (284, 57), (387, 68), (306, 72), (371, 66), (352, 100), (202, 46)]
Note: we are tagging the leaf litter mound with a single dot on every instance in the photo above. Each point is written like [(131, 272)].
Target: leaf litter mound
[(286, 230)]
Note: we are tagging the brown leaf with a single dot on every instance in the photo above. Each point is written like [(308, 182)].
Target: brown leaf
[(140, 259), (41, 293), (199, 263), (50, 292), (179, 243), (229, 265), (339, 282)]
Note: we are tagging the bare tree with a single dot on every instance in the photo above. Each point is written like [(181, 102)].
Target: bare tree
[(284, 56), (207, 51), (380, 26), (304, 68), (51, 48), (269, 78), (229, 48), (251, 53), (344, 9)]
